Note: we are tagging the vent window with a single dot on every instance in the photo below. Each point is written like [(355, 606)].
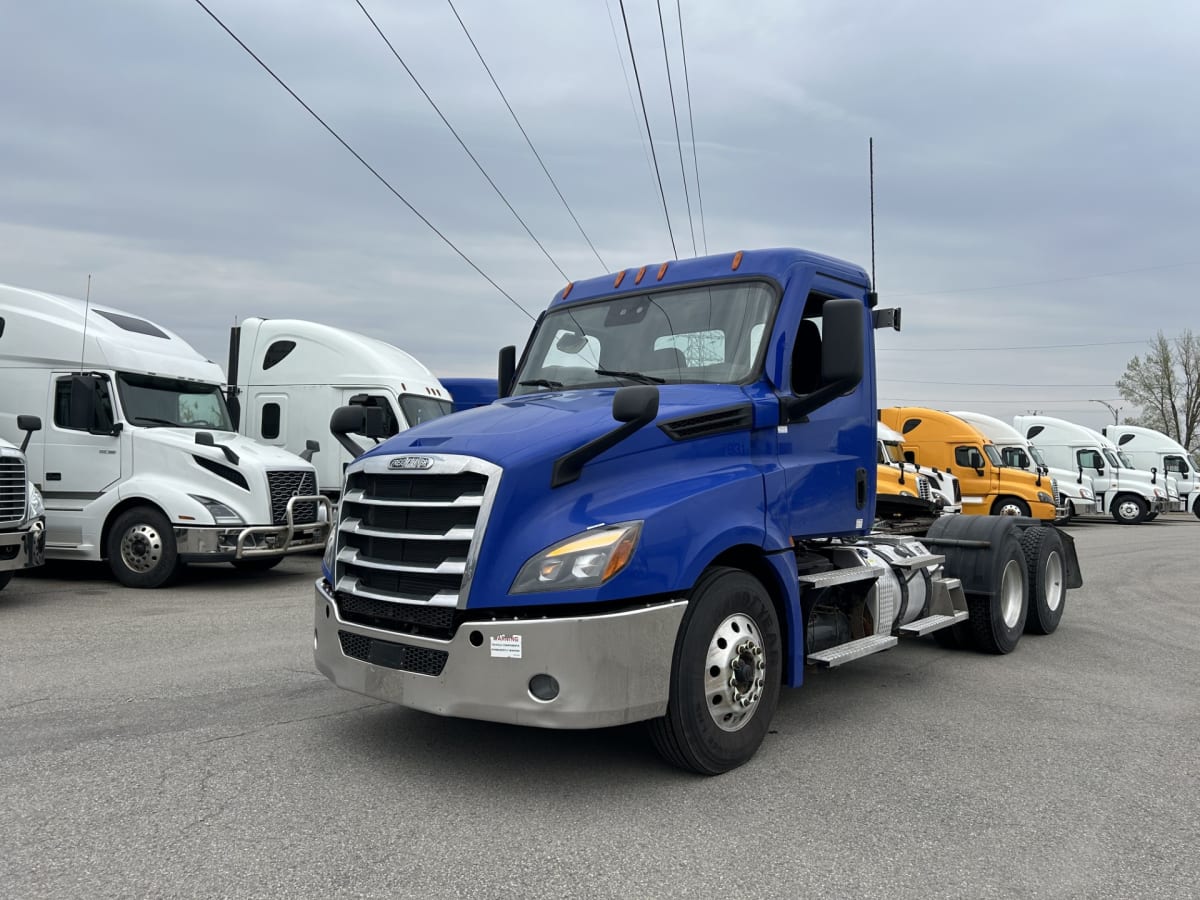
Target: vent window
[(1125, 439), (277, 352), (270, 421), (129, 323), (1034, 431), (909, 425)]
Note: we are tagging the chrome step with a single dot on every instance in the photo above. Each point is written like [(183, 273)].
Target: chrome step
[(918, 562), (932, 623), (840, 576), (844, 653)]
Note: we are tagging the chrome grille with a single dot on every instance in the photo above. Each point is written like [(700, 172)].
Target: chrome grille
[(1055, 492), (286, 485), (12, 488), (405, 536), (923, 489)]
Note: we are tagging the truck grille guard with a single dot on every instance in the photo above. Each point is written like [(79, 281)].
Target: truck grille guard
[(290, 537), (408, 537)]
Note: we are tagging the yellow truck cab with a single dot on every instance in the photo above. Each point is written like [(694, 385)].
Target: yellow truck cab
[(936, 438)]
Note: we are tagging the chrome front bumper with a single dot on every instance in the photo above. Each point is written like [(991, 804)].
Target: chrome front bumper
[(218, 544), (23, 549), (611, 669)]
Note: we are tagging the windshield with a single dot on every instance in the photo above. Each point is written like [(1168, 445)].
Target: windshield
[(708, 335), (1112, 458), (421, 409), (1126, 462), (152, 401), (890, 453), (1038, 459), (993, 454)]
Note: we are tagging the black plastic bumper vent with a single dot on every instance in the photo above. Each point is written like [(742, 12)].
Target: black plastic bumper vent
[(403, 657)]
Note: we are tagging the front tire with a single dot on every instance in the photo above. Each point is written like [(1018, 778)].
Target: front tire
[(141, 548), (1046, 560), (1130, 509), (725, 675), (1010, 506)]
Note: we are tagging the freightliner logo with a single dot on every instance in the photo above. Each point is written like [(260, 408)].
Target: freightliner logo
[(411, 462)]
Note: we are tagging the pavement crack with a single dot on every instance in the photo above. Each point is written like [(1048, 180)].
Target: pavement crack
[(342, 712)]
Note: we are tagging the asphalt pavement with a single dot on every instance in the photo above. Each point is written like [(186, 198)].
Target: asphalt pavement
[(180, 743)]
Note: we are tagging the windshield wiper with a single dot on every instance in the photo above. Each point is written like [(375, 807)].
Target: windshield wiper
[(153, 421), (632, 376), (542, 382)]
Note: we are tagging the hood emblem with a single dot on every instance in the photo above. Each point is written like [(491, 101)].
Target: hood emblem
[(411, 462)]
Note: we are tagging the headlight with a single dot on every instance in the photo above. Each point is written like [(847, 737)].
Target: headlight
[(1044, 497), (1085, 493), (36, 507), (907, 494), (584, 560), (1158, 493), (221, 513)]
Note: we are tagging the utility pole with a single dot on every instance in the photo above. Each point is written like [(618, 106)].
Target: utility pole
[(1115, 410)]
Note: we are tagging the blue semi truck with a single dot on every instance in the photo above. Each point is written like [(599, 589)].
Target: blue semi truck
[(666, 517)]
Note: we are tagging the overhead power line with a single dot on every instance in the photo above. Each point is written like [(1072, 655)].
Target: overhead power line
[(957, 384), (461, 142), (649, 133), (1031, 347), (525, 135), (662, 28), (637, 123), (691, 125), (387, 184), (1017, 284)]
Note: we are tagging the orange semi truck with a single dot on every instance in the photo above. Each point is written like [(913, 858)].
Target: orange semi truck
[(936, 438)]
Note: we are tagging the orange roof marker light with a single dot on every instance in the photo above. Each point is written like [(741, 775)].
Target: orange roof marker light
[(737, 260), (662, 270), (567, 289), (620, 278), (640, 275)]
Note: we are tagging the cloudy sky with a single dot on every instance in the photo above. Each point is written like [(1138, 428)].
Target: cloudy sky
[(1036, 168)]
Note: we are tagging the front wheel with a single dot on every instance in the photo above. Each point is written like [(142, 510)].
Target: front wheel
[(141, 548), (725, 675), (1010, 506), (1130, 509)]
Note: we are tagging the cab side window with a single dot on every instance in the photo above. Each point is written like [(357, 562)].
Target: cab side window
[(1175, 465), (71, 413), (968, 457), (1090, 459)]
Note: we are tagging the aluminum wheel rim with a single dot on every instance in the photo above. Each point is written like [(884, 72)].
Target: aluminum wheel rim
[(1054, 581), (734, 672), (1010, 509), (141, 548), (1012, 593), (1129, 510)]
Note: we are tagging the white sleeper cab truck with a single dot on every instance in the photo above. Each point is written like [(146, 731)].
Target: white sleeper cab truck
[(287, 376), (1148, 449), (22, 516), (1131, 496), (1076, 490), (138, 462)]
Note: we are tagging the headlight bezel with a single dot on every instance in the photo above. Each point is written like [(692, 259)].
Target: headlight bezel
[(222, 513), (1043, 497), (36, 504), (586, 559)]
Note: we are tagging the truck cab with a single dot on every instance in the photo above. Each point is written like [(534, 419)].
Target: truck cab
[(1076, 492), (945, 488), (287, 376), (1146, 448), (1131, 496), (138, 462), (989, 487), (22, 513)]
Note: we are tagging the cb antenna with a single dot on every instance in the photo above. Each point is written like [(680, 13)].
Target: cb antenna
[(87, 303)]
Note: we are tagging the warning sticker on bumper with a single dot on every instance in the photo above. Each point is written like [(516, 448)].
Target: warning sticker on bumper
[(506, 646)]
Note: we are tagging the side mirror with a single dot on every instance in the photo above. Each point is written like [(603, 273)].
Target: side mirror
[(634, 406), (373, 424), (28, 424), (506, 370), (842, 343), (310, 447), (348, 420), (1154, 474)]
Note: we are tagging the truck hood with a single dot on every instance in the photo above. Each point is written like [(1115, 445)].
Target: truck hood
[(250, 453), (534, 427)]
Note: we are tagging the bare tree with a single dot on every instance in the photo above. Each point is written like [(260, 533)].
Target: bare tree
[(1165, 385)]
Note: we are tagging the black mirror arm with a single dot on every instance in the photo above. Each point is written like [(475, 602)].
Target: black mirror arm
[(796, 409)]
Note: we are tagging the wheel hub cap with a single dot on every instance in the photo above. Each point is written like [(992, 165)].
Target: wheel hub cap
[(735, 672), (141, 548)]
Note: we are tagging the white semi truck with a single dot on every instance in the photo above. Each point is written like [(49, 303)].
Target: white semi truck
[(138, 462), (1148, 448), (22, 515), (287, 376), (1077, 490), (1130, 495)]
